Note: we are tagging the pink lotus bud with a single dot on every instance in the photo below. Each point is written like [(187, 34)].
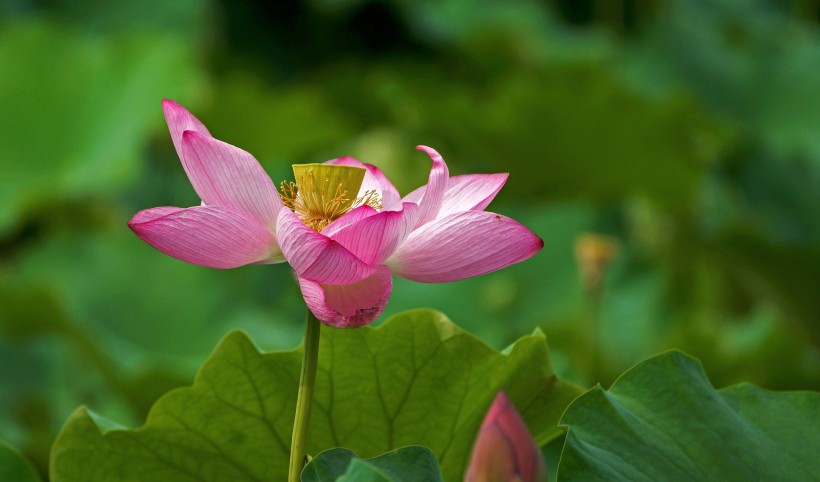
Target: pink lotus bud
[(504, 450)]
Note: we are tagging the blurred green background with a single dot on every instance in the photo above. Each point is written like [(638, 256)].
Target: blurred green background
[(668, 153)]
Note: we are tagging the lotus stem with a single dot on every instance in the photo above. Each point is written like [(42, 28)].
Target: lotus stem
[(307, 381)]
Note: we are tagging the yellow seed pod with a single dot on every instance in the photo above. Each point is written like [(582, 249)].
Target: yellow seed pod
[(324, 192)]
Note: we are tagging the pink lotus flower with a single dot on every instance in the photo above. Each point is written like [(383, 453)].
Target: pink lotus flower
[(504, 450), (344, 250)]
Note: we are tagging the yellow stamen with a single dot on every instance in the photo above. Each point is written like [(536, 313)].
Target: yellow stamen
[(320, 194)]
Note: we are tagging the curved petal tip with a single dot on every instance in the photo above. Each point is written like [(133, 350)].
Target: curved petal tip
[(430, 152)]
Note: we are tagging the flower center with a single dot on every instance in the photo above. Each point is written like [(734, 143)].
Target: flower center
[(322, 193)]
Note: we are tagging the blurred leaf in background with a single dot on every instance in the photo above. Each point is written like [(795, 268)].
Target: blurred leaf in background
[(80, 95), (76, 109), (14, 467)]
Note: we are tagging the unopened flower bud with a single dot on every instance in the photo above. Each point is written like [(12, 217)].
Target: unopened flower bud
[(504, 450)]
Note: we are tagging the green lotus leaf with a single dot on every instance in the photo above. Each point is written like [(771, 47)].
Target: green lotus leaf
[(406, 464), (663, 420), (416, 380)]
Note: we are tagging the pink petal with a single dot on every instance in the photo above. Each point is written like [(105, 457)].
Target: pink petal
[(213, 236), (433, 197), (504, 449), (348, 218), (470, 192), (226, 175), (150, 214), (374, 179), (375, 238), (180, 120), (463, 245), (316, 257), (352, 305), (415, 196)]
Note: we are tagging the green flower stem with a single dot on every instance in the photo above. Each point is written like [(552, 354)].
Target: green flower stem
[(307, 381)]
